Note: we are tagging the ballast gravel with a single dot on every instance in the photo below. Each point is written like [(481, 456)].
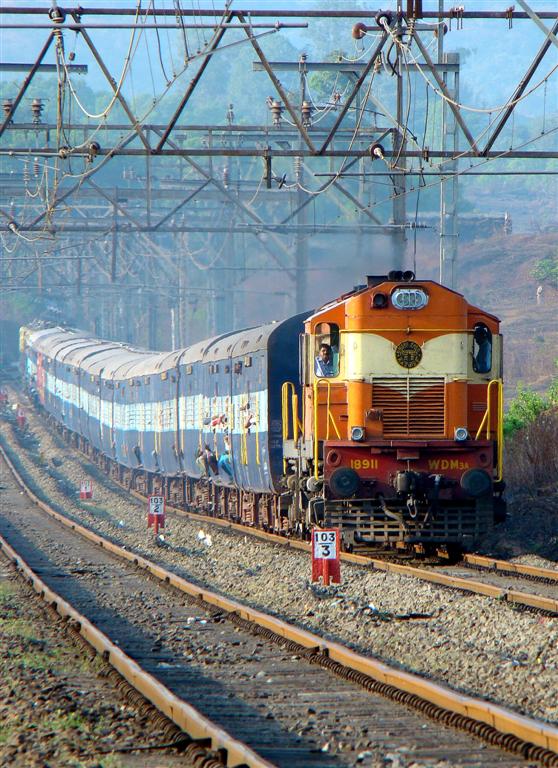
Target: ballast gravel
[(57, 707), (473, 644)]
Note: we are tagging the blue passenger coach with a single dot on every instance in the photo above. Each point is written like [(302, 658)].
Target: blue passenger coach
[(166, 413)]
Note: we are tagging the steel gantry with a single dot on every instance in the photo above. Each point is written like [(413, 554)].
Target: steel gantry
[(189, 211)]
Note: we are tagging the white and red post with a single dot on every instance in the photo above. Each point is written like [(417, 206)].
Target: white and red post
[(156, 513), (325, 555), (86, 489)]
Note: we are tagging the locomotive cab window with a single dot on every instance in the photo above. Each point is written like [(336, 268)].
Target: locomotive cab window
[(482, 348), (326, 350)]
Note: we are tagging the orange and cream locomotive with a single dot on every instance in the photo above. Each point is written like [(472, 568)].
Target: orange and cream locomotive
[(400, 441)]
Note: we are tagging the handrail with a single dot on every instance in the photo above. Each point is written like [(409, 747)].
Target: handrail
[(257, 432), (329, 417), (243, 441), (500, 423), (200, 419), (289, 387), (158, 432), (414, 330), (297, 426)]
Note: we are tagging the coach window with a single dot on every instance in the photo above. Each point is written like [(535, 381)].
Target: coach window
[(482, 348), (326, 350)]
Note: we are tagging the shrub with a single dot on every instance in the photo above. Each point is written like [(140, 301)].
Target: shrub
[(524, 410), (546, 270)]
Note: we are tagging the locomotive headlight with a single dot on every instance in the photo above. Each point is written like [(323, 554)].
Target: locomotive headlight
[(460, 434), (357, 433)]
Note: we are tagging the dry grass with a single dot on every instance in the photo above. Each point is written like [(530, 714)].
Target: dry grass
[(531, 471), (531, 456)]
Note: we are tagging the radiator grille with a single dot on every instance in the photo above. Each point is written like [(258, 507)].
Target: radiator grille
[(411, 406)]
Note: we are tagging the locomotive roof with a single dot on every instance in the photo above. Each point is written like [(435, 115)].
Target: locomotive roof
[(388, 285)]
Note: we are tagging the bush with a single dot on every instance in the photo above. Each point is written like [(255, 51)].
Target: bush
[(531, 437), (524, 410), (546, 270)]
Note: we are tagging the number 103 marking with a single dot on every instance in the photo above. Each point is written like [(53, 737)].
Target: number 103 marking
[(364, 463), (325, 545)]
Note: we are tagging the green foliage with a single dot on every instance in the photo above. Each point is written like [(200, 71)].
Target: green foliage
[(546, 270), (527, 407)]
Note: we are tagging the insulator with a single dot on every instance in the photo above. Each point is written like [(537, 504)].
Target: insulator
[(26, 172), (59, 38), (276, 111), (298, 166), (230, 115), (7, 105), (56, 15), (384, 18), (226, 176), (306, 111), (37, 107), (36, 167), (377, 151), (443, 28), (359, 30)]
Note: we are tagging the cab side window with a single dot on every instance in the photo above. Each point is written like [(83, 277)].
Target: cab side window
[(326, 350), (482, 348)]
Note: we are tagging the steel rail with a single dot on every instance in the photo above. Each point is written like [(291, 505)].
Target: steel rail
[(502, 720), (515, 597), (517, 569), (186, 717)]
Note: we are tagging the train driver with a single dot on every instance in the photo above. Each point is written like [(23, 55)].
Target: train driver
[(324, 366), (482, 349)]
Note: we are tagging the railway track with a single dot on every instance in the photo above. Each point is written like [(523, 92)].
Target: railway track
[(293, 718), (475, 574), (528, 572)]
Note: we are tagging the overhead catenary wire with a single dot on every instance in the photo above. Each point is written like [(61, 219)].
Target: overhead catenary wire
[(405, 127), (120, 83), (460, 105)]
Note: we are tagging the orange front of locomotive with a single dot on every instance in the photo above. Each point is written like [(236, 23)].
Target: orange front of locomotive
[(403, 408)]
